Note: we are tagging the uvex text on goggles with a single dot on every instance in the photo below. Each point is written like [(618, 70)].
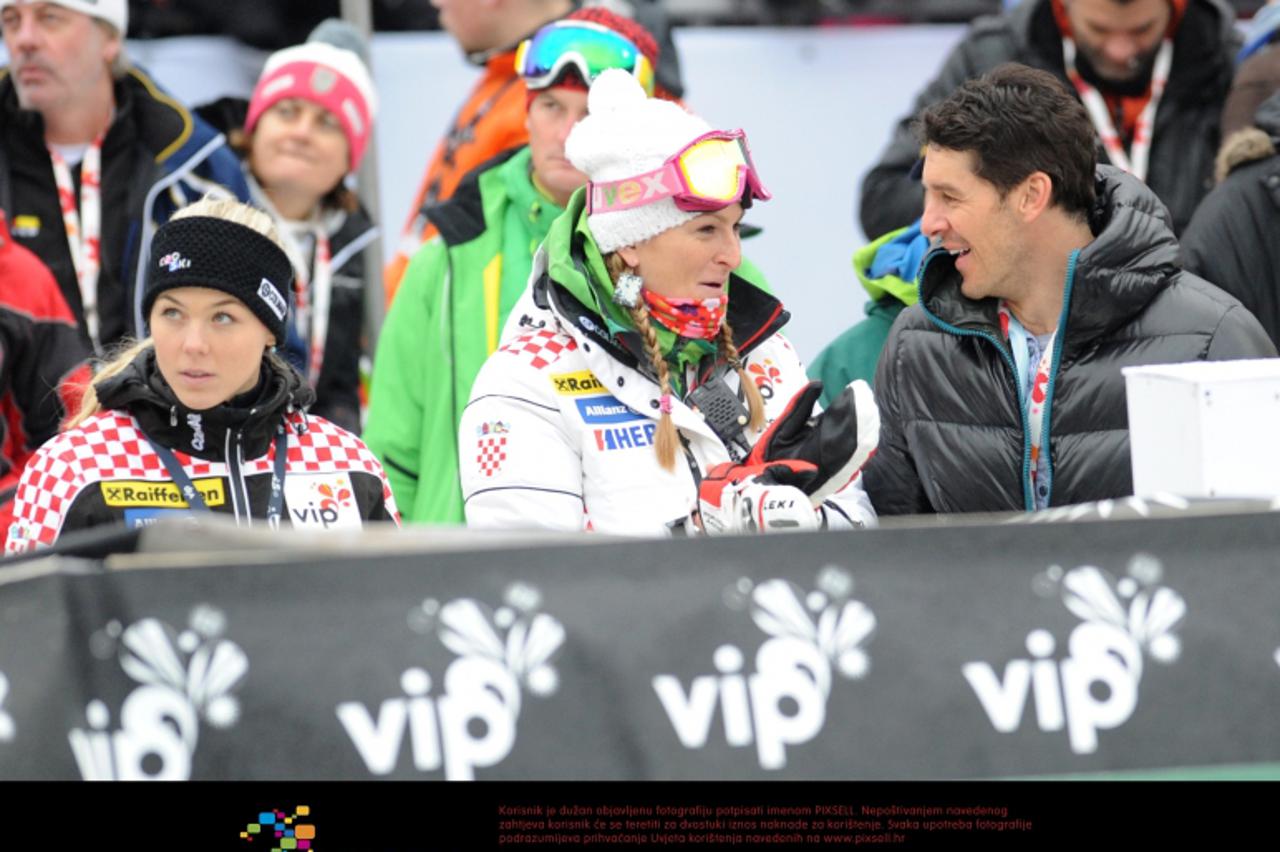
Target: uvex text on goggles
[(710, 173), (585, 45)]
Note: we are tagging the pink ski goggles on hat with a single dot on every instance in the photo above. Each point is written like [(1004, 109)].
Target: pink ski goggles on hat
[(710, 173)]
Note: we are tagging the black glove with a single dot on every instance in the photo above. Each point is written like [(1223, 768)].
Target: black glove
[(837, 443)]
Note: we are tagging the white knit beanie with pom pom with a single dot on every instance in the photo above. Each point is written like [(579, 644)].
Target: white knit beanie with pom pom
[(626, 134)]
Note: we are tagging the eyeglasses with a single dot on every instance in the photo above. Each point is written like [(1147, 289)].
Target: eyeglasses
[(584, 45), (710, 173)]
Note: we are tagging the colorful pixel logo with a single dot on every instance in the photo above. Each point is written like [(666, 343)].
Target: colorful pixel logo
[(288, 832)]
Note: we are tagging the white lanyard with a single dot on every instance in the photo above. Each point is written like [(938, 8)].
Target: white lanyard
[(1032, 398), (1135, 162), (312, 283), (312, 289), (314, 296), (83, 227)]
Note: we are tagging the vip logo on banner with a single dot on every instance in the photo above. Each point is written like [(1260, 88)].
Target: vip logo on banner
[(1122, 623), (784, 701), (183, 678), (471, 723), (7, 728)]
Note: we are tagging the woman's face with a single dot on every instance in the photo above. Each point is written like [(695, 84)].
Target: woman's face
[(209, 346), (693, 260), (299, 148)]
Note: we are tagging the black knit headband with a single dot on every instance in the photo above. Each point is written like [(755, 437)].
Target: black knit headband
[(201, 251)]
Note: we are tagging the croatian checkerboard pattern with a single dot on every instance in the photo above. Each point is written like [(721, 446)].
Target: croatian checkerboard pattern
[(540, 348), (111, 446), (492, 453)]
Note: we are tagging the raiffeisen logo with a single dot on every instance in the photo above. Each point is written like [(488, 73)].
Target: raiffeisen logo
[(184, 678), (471, 722), (1123, 623), (813, 636)]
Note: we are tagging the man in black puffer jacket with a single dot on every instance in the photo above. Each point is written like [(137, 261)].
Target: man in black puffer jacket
[(1051, 275), (1118, 43)]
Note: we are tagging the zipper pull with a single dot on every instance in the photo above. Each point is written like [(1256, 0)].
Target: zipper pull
[(173, 415)]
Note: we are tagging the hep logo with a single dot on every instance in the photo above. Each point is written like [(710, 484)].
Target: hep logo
[(765, 376), (173, 261)]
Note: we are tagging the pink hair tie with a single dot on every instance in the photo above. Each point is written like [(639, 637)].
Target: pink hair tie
[(664, 405)]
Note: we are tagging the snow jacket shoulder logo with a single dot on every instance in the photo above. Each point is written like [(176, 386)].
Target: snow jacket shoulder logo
[(500, 654), (491, 446), (813, 636), (1123, 622)]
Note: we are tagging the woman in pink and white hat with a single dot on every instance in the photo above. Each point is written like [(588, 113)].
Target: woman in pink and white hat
[(301, 135)]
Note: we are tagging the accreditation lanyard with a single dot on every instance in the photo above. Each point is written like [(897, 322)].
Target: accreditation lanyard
[(83, 227), (195, 500), (314, 294), (1032, 398), (1136, 160)]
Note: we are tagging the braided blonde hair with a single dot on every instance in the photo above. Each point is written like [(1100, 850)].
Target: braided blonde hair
[(667, 439), (755, 402)]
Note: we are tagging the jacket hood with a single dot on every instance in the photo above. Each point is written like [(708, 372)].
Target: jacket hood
[(1134, 255), (887, 267), (141, 390)]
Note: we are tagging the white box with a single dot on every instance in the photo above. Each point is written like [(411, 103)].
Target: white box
[(1205, 429)]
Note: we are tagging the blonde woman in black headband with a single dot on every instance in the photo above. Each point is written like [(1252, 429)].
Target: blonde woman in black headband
[(202, 416)]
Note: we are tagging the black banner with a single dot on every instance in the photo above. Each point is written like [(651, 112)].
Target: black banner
[(965, 651)]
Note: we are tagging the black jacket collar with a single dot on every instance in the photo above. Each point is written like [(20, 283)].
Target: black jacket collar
[(1133, 256), (252, 417)]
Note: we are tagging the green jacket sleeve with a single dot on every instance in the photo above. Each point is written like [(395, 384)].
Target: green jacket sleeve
[(412, 418)]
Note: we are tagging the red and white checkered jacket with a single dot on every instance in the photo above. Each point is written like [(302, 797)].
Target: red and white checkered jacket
[(105, 471)]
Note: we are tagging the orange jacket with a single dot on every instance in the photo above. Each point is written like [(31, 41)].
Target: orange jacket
[(490, 121)]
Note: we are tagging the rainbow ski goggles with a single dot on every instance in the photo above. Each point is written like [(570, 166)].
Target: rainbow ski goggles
[(710, 173), (585, 45)]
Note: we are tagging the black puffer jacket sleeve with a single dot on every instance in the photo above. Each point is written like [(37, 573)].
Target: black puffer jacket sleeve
[(890, 478), (1240, 335)]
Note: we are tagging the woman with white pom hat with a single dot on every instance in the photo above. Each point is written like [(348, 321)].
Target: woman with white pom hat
[(643, 387)]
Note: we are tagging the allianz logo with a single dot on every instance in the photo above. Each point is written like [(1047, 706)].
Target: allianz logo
[(183, 679), (470, 722), (813, 637), (605, 409), (1093, 686)]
